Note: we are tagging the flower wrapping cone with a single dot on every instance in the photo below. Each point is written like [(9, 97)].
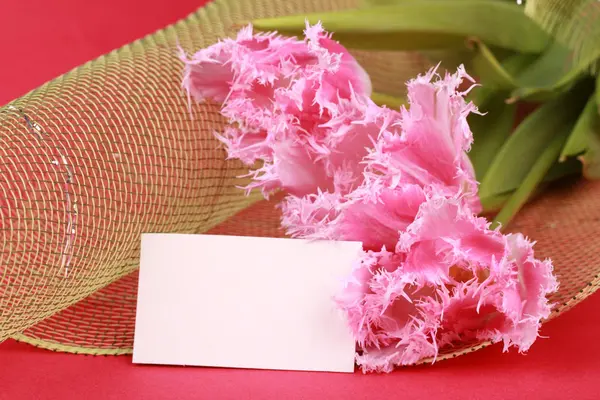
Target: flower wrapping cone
[(109, 150)]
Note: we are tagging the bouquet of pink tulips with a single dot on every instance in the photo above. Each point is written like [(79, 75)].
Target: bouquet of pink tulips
[(433, 273)]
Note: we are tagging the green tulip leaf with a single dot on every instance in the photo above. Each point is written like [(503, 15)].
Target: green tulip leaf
[(574, 23), (521, 151), (490, 131), (598, 92), (490, 70), (423, 25), (378, 3), (591, 158), (531, 180), (512, 65), (586, 138), (552, 73), (583, 131), (571, 167)]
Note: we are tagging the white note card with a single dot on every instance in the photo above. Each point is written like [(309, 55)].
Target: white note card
[(243, 302)]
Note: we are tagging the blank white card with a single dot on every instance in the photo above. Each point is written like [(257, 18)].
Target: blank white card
[(244, 302)]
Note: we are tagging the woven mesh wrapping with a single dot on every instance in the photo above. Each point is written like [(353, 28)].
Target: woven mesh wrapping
[(110, 150)]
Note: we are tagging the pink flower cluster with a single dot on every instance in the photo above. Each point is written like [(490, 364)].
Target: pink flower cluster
[(289, 103), (432, 273)]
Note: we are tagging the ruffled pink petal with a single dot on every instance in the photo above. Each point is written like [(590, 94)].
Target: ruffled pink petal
[(464, 315), (310, 216), (382, 305), (205, 75), (434, 139), (373, 214), (363, 306), (377, 215), (297, 169), (245, 145), (508, 305), (528, 283), (353, 125), (445, 234), (325, 156), (348, 76), (414, 345)]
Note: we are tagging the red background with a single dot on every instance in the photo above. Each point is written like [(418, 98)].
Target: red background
[(42, 39)]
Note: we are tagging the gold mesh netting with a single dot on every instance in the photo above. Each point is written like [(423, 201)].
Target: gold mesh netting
[(110, 150)]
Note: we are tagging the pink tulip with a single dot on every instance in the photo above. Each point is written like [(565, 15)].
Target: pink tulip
[(280, 94), (451, 280), (416, 149)]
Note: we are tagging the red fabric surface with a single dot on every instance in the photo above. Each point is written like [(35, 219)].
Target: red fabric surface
[(41, 39)]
